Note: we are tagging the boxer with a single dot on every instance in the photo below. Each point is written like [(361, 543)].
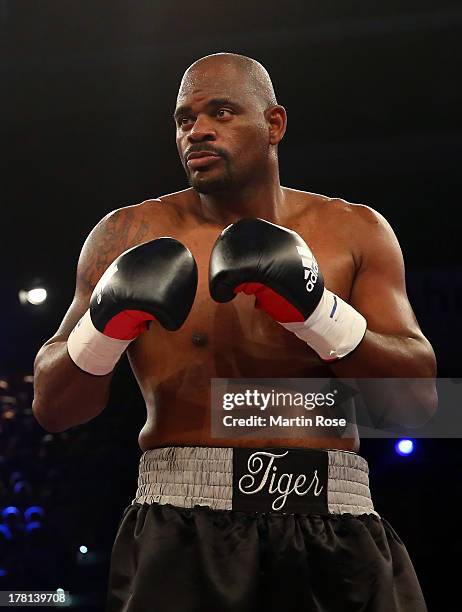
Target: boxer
[(240, 277)]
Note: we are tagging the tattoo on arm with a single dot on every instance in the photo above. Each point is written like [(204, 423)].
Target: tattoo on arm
[(114, 235)]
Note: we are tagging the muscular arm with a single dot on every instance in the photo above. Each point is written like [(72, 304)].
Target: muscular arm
[(394, 346), (64, 395)]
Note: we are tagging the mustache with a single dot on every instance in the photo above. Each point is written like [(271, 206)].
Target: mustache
[(206, 149)]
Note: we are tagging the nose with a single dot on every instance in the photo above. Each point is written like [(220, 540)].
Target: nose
[(202, 129)]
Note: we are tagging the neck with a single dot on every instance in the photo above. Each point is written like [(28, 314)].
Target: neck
[(264, 200)]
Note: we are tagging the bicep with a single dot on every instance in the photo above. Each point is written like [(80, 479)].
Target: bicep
[(379, 289)]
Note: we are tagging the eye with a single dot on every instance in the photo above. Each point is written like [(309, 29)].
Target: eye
[(223, 110), (183, 120)]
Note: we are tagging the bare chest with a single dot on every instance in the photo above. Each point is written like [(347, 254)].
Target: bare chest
[(236, 339), (240, 321)]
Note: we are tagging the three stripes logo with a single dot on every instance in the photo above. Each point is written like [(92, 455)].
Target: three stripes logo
[(310, 265)]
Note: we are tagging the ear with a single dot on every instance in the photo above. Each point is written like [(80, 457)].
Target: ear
[(276, 118)]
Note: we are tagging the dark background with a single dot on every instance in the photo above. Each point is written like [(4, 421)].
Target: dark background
[(373, 97)]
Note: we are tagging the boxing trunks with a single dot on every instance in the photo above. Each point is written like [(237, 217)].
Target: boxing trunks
[(250, 530)]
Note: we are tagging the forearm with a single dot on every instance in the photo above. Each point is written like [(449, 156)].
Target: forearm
[(64, 395), (381, 355), (409, 402)]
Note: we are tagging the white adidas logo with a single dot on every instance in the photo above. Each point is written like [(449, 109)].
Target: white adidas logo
[(311, 267)]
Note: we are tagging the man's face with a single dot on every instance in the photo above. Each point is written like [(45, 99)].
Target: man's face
[(217, 114)]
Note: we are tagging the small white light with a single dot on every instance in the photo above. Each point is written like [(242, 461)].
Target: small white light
[(36, 296), (404, 447), (83, 549), (59, 590)]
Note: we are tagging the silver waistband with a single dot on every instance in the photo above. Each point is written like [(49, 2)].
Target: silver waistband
[(190, 476)]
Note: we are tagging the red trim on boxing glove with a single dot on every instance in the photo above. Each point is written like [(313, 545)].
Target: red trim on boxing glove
[(271, 302), (128, 324)]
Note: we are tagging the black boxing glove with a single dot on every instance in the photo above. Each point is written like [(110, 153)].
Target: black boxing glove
[(277, 266), (154, 280)]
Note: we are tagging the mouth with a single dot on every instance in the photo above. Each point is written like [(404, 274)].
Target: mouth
[(203, 161)]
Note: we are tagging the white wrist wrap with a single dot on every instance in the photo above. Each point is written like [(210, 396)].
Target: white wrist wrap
[(91, 350), (333, 330)]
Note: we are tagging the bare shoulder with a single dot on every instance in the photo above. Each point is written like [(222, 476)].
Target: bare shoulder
[(369, 224), (116, 232), (375, 242), (338, 210), (360, 213), (126, 227), (306, 203), (361, 228), (371, 228)]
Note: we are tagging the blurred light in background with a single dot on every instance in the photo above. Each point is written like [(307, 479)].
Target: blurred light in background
[(83, 549), (33, 296), (404, 447)]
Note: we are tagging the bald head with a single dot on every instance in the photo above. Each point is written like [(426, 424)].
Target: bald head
[(245, 72), (226, 106)]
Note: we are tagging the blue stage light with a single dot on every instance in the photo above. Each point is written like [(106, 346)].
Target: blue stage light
[(404, 447)]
